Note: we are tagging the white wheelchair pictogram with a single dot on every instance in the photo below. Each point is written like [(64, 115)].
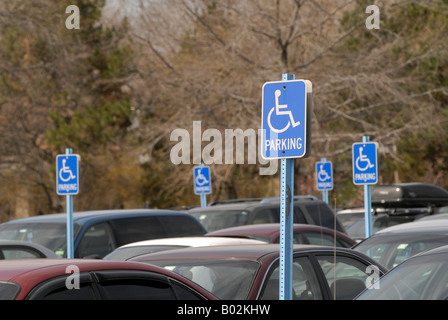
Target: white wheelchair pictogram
[(65, 174), (278, 112), (200, 178), (323, 174), (362, 162)]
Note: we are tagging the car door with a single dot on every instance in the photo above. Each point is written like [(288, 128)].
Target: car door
[(344, 276), (305, 283)]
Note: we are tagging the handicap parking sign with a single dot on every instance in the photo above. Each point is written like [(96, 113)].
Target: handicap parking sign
[(365, 163), (202, 180), (324, 175), (67, 174), (284, 119)]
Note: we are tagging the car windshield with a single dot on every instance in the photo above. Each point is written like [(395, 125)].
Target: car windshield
[(52, 235), (226, 279), (216, 219), (392, 250), (420, 278)]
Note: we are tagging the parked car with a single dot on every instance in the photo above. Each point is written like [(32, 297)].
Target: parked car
[(380, 221), (138, 248), (393, 245), (252, 271), (409, 195), (96, 233), (421, 277), (232, 213), (12, 249), (84, 279), (302, 234)]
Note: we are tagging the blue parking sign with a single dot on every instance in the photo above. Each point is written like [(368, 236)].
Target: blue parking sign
[(324, 175), (365, 163), (67, 174), (202, 180), (284, 119)]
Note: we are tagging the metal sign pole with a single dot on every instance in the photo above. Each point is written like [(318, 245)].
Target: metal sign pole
[(286, 221), (203, 196), (367, 202), (324, 192), (69, 207)]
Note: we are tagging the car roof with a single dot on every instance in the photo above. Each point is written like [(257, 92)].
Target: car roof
[(241, 204), (267, 228), (193, 241), (418, 226), (98, 215), (30, 272), (247, 252), (229, 206)]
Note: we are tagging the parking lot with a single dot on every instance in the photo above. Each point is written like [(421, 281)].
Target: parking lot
[(147, 253)]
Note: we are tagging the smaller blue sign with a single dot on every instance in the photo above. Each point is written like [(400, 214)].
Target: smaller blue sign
[(202, 180), (365, 163), (67, 174), (324, 175)]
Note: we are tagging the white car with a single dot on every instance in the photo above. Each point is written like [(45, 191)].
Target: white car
[(134, 249)]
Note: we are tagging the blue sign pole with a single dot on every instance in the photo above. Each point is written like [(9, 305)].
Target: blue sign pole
[(69, 207), (286, 221), (324, 192), (367, 202), (203, 196)]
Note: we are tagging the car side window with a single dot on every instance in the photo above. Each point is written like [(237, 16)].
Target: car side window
[(299, 216), (319, 238), (137, 289), (56, 289), (137, 229), (266, 216), (97, 241), (84, 292), (346, 277), (304, 283), (16, 252), (176, 226)]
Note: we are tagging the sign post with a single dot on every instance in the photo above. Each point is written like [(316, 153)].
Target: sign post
[(324, 177), (365, 172), (202, 183), (67, 183), (286, 136)]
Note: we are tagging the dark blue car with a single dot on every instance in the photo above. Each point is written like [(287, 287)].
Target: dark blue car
[(96, 233)]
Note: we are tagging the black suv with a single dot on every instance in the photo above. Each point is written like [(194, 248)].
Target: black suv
[(231, 213)]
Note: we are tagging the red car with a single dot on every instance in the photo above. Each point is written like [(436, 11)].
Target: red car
[(83, 279), (302, 234)]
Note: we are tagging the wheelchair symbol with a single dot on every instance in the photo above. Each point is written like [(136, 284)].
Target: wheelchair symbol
[(323, 174), (65, 174), (278, 112), (362, 162), (200, 179)]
